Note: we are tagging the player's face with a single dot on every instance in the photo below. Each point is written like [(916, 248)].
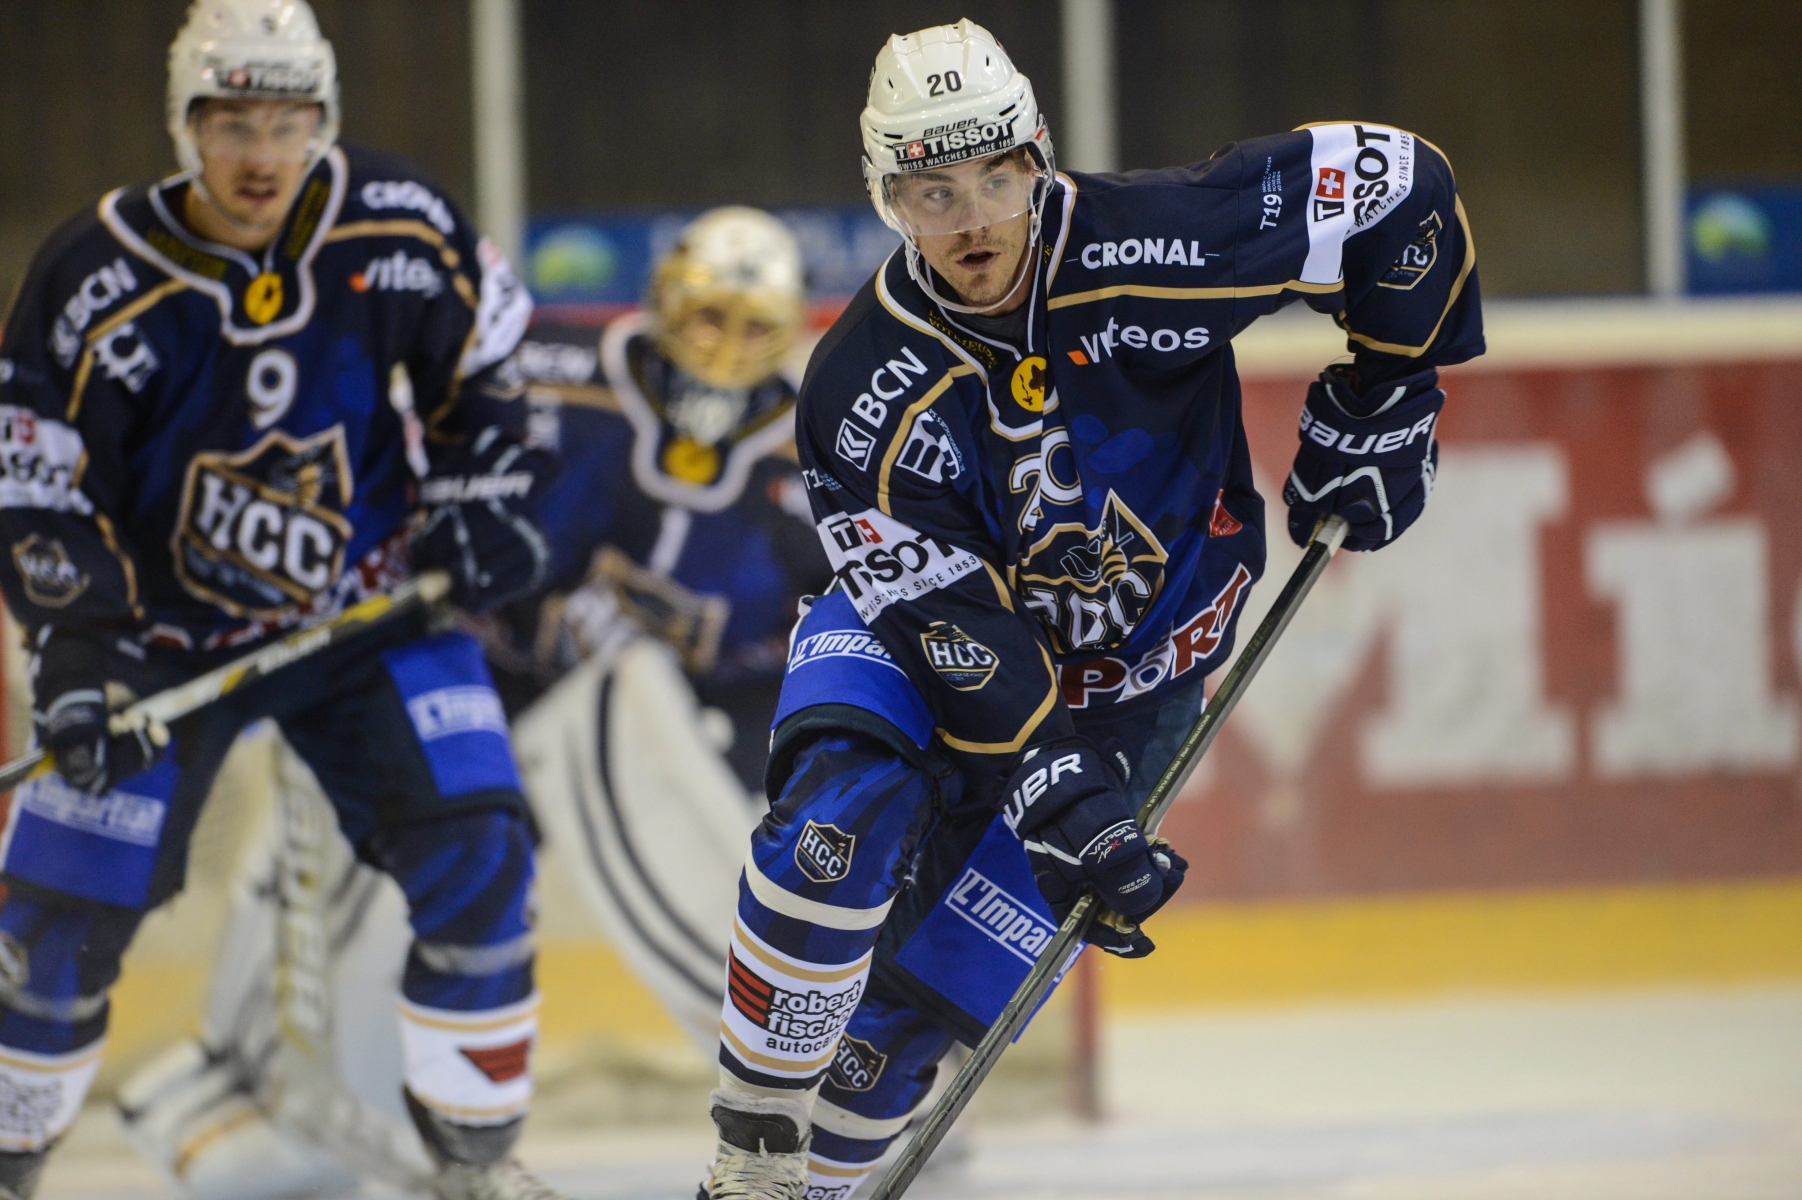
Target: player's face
[(253, 154), (971, 222)]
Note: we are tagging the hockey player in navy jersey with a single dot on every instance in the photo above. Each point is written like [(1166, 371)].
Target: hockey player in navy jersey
[(1023, 448), (200, 451), (680, 541)]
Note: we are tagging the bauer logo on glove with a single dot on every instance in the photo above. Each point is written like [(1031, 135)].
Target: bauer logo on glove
[(477, 524), (1368, 456)]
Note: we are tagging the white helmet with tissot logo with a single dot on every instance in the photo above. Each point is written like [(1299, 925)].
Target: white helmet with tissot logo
[(941, 97), (251, 50)]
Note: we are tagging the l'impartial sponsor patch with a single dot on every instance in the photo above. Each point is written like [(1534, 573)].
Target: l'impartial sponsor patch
[(823, 852), (467, 709), (1001, 915)]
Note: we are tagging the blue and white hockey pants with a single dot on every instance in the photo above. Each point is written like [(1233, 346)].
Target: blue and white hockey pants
[(847, 984), (410, 744)]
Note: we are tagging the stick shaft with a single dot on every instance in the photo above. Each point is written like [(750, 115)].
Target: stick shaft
[(174, 703), (1068, 938)]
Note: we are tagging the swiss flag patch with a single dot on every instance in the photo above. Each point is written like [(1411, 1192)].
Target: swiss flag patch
[(1331, 185), (501, 1064), (1223, 524)]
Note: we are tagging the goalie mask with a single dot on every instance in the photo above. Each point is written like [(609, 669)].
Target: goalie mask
[(953, 141), (725, 302), (251, 50)]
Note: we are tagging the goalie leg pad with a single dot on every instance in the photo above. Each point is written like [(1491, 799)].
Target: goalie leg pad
[(821, 876), (469, 1013), (58, 957)]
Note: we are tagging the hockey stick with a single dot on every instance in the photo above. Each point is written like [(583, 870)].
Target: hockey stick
[(174, 703), (1327, 537)]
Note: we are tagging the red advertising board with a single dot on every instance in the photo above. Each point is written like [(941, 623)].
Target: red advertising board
[(1580, 666)]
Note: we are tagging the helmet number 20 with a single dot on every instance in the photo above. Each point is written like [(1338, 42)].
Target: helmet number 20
[(950, 81)]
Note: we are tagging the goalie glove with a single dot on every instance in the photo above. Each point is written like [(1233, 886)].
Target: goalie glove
[(477, 525), (1064, 803), (1369, 457), (76, 672)]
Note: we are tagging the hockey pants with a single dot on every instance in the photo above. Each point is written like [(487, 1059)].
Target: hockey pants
[(410, 745), (874, 930)]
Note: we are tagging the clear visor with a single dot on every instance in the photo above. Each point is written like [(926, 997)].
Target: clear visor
[(277, 131), (964, 196)]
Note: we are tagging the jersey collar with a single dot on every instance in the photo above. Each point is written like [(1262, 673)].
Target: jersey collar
[(258, 300)]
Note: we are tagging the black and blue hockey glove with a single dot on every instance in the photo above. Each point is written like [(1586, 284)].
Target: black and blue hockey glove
[(1064, 803), (478, 524), (74, 673), (1367, 456)]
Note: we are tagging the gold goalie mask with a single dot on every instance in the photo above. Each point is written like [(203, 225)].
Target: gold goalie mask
[(725, 302)]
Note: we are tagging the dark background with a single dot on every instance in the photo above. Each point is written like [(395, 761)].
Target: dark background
[(684, 103)]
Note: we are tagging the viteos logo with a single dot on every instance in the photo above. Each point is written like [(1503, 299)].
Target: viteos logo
[(1096, 347), (1000, 915), (405, 193), (98, 292), (1168, 251), (960, 660), (398, 273), (823, 852)]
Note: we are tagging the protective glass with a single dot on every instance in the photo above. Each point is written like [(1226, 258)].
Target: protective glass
[(263, 132), (963, 196)]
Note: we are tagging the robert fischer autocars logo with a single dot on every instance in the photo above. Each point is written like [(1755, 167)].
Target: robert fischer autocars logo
[(1000, 915)]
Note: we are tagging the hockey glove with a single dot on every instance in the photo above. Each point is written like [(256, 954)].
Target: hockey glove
[(1064, 803), (1370, 458), (477, 524), (74, 675)]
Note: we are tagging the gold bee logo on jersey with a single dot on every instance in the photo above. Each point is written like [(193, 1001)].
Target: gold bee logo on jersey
[(1029, 383), (690, 461), (263, 298)]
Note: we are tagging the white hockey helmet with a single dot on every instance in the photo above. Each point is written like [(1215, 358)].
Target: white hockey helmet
[(251, 50), (945, 95), (725, 302)]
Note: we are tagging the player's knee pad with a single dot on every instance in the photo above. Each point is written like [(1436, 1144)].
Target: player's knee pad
[(58, 957), (469, 1013), (468, 884), (823, 869)]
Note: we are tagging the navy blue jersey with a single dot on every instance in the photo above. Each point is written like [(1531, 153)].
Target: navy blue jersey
[(1071, 522), (712, 540), (198, 444)]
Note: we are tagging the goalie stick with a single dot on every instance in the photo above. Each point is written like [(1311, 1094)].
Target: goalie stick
[(1327, 537), (174, 703)]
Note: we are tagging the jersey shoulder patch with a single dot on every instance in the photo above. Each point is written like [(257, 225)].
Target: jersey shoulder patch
[(1358, 172)]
